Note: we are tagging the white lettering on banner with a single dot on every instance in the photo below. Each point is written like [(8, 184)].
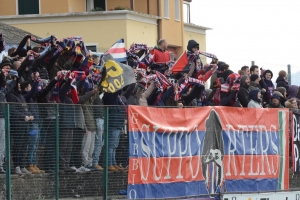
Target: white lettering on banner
[(170, 152), (134, 120), (130, 194), (231, 151), (264, 151), (259, 139), (296, 143), (198, 154), (253, 150), (275, 151), (179, 176), (262, 134), (243, 128)]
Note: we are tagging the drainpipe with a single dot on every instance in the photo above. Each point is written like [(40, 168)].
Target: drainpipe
[(158, 21)]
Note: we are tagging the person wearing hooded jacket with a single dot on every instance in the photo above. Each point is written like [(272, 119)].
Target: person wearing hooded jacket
[(5, 89), (281, 80), (267, 77), (275, 102), (192, 48), (28, 92), (243, 94), (255, 97), (293, 89), (20, 119)]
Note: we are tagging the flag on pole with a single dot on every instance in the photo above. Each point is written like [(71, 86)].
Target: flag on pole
[(182, 64), (118, 51)]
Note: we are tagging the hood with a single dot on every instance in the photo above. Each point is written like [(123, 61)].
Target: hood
[(282, 90), (268, 71), (243, 79), (220, 63), (279, 79), (287, 104), (253, 95), (191, 44), (293, 89), (278, 93)]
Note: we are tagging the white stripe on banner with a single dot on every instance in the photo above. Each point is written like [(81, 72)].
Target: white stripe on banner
[(118, 45), (118, 55), (283, 149)]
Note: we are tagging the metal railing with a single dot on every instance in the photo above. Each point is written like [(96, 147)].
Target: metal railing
[(66, 142), (56, 151)]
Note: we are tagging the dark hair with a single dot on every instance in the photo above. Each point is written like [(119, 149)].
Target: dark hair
[(224, 67), (244, 68), (11, 50), (253, 67), (24, 85)]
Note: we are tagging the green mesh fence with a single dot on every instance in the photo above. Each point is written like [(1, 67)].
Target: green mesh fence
[(64, 151), (58, 151)]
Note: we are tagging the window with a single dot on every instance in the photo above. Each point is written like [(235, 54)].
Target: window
[(92, 48), (177, 10), (166, 9), (26, 7), (100, 5), (186, 13), (89, 5)]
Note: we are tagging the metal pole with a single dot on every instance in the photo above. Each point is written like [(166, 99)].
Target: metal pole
[(8, 166), (56, 153), (252, 63), (105, 158), (289, 74)]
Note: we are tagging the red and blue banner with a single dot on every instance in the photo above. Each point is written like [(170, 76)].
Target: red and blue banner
[(187, 152)]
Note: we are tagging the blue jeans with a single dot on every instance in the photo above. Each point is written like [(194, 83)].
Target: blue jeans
[(98, 141), (33, 142), (113, 142)]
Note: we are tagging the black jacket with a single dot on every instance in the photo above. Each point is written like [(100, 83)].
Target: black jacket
[(243, 95), (228, 98), (19, 109), (281, 82)]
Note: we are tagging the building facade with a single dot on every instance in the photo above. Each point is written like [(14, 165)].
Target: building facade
[(103, 22)]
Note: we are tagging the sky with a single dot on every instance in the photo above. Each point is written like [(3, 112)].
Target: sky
[(264, 31)]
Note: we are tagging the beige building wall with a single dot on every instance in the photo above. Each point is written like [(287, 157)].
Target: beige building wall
[(48, 7), (104, 37), (171, 29), (141, 6), (153, 7), (111, 4), (77, 5), (200, 38), (7, 7), (139, 32)]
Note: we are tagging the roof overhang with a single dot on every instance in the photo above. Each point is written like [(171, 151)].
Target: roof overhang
[(84, 16), (196, 28)]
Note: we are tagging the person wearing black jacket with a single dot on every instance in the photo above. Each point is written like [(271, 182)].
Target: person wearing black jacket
[(28, 92), (243, 94), (67, 124), (254, 69), (20, 119), (281, 80), (5, 89)]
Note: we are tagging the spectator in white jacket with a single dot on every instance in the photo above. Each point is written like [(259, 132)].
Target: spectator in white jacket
[(255, 99)]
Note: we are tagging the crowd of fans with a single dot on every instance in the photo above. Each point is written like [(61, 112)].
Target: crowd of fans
[(65, 73)]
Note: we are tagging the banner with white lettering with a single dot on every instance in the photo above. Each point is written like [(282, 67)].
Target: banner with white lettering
[(186, 152), (296, 143)]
